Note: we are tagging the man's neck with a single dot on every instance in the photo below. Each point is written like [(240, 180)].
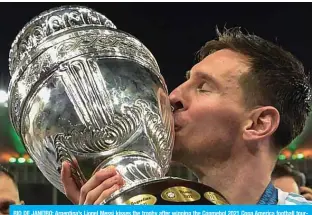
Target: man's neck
[(242, 181)]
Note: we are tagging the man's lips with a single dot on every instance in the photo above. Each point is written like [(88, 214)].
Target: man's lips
[(177, 124)]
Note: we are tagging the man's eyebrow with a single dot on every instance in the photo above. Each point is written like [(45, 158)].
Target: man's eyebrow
[(199, 74)]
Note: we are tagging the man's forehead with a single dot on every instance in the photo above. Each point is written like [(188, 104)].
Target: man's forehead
[(223, 63)]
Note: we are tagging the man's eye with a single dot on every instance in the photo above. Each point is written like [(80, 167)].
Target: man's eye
[(204, 87)]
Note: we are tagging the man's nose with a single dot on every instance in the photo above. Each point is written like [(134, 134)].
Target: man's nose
[(176, 99)]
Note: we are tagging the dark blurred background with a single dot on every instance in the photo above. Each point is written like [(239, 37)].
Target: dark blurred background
[(173, 32)]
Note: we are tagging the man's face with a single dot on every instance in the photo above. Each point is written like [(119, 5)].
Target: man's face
[(209, 108), (8, 193), (287, 184)]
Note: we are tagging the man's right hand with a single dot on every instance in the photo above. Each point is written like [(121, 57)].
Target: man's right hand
[(100, 186)]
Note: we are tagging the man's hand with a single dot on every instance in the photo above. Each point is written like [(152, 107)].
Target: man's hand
[(101, 185), (306, 192)]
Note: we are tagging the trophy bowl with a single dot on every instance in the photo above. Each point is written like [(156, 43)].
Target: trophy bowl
[(84, 92)]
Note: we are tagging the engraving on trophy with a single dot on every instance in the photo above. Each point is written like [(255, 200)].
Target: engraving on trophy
[(142, 199), (215, 198), (64, 154), (180, 194), (108, 43), (87, 91), (105, 130), (48, 23)]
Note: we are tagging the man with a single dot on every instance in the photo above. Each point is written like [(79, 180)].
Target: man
[(244, 97), (9, 194), (287, 178)]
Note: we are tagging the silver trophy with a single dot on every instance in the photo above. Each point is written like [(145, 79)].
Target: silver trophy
[(88, 93)]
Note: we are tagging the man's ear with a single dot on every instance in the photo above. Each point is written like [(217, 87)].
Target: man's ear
[(262, 122)]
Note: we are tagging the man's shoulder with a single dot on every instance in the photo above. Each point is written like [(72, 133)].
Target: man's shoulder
[(285, 198)]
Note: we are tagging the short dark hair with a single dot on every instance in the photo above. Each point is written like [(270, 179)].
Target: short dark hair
[(287, 169), (7, 173), (276, 78)]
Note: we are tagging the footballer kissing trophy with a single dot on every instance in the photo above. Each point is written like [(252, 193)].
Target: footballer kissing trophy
[(87, 93)]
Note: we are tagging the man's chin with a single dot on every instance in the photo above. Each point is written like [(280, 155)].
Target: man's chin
[(177, 153), (179, 159)]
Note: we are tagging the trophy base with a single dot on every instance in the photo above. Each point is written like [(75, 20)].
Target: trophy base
[(168, 191)]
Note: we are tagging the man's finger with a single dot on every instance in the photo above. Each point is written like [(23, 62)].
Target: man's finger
[(70, 187), (93, 195), (106, 194), (95, 181)]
